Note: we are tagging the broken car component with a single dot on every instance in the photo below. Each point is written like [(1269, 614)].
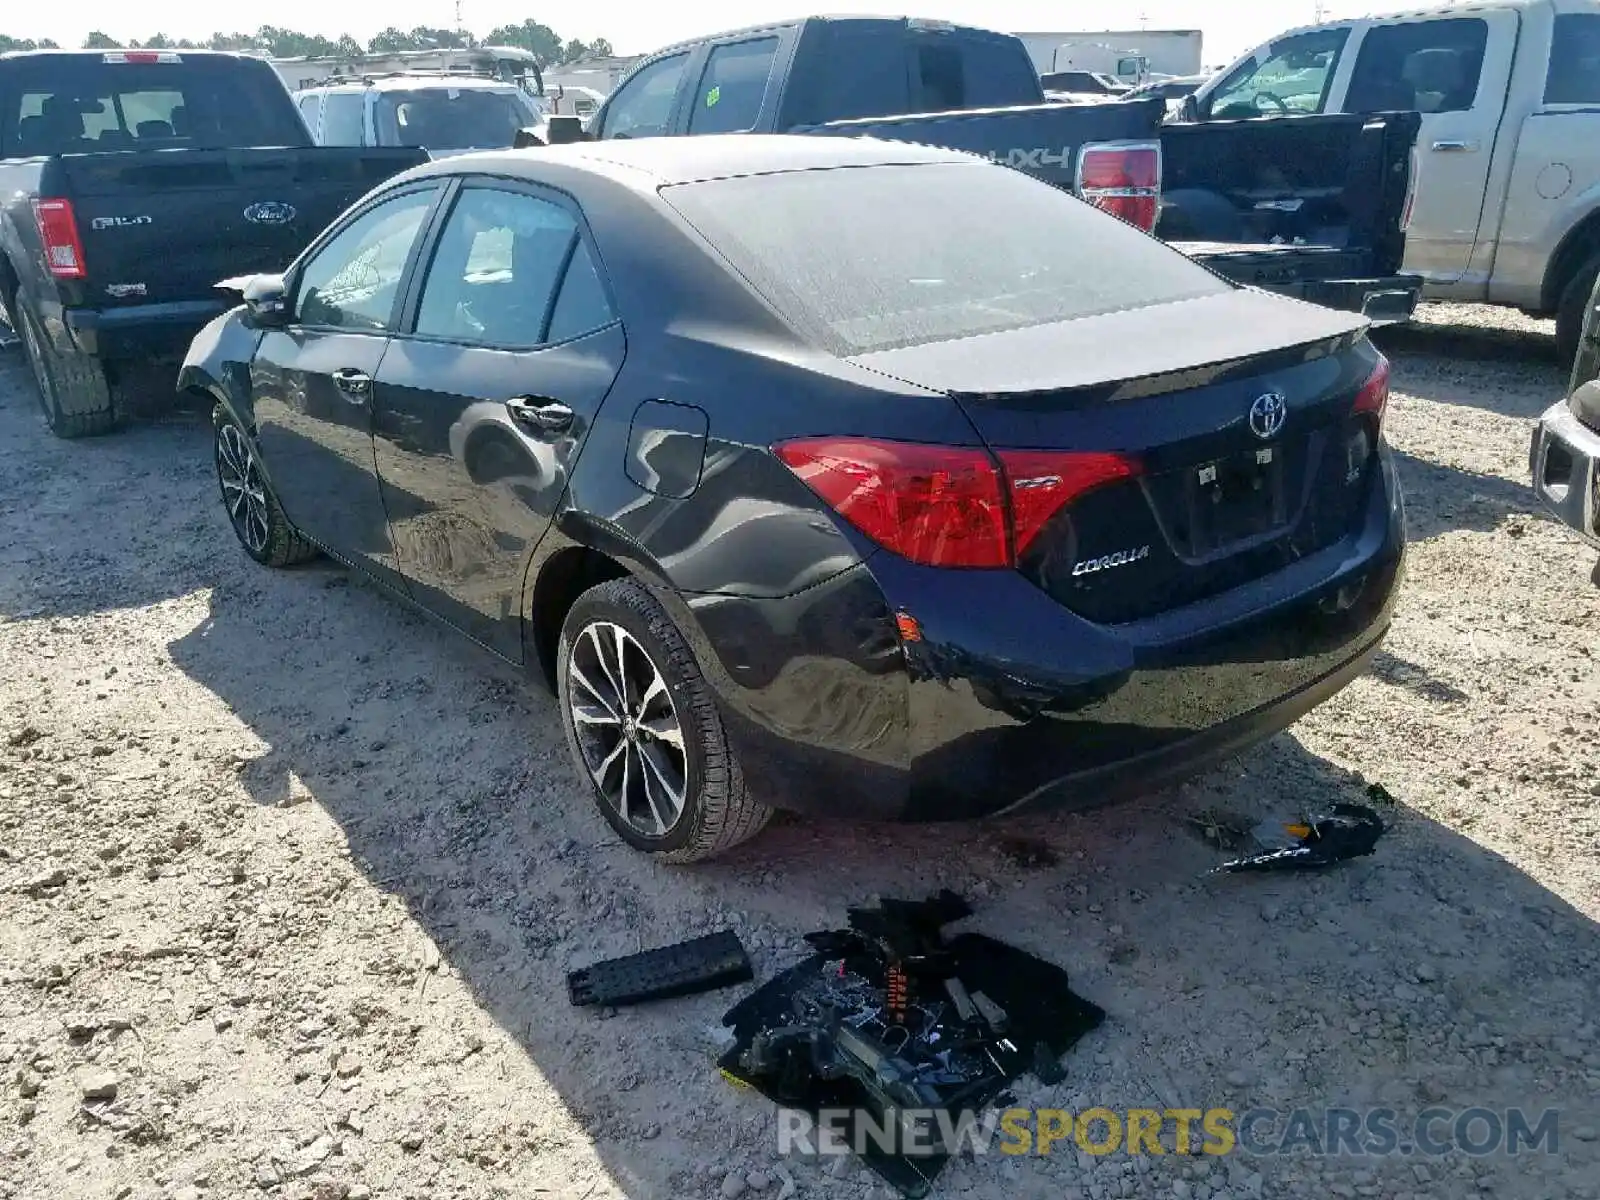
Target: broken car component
[(1348, 831), (700, 965)]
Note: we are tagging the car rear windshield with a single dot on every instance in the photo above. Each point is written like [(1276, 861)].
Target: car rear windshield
[(452, 118), (862, 259), (81, 104)]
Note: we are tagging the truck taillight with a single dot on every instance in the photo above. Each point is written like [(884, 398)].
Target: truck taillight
[(949, 506), (1124, 179), (58, 235)]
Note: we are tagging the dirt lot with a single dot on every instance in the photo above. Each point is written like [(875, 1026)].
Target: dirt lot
[(298, 875)]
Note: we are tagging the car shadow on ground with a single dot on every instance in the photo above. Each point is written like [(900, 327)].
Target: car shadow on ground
[(448, 776), (1480, 343), (1442, 498)]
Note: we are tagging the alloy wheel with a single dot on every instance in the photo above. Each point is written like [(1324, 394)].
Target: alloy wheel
[(244, 492), (627, 728)]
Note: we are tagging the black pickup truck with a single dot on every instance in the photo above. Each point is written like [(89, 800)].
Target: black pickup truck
[(1312, 207), (130, 183)]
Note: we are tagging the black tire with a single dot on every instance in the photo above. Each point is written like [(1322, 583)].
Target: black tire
[(253, 510), (717, 811), (73, 391), (1572, 310)]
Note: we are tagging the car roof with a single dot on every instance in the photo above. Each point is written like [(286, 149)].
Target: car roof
[(661, 161)]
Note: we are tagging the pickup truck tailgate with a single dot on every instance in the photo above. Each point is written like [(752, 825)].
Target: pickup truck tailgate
[(165, 225)]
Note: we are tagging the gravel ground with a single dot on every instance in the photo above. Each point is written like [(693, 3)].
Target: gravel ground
[(290, 878)]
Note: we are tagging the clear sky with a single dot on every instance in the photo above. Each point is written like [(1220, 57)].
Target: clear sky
[(1230, 26)]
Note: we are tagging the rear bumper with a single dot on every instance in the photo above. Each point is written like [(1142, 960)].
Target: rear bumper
[(1009, 700), (1564, 462), (139, 331), (1391, 301)]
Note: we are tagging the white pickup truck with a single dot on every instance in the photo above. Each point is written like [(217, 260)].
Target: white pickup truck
[(1506, 206)]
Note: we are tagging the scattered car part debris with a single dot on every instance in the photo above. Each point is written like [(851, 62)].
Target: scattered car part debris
[(1347, 831), (699, 965), (992, 1013), (973, 1015), (1379, 794)]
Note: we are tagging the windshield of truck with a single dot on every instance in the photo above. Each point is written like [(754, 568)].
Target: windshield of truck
[(1291, 76), (81, 103), (873, 258), (453, 118)]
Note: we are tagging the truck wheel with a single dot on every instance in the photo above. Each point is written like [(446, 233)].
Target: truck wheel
[(1573, 310), (254, 512), (644, 729), (73, 391)]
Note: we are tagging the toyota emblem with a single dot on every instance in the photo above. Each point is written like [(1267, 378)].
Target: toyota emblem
[(1267, 415), (269, 212)]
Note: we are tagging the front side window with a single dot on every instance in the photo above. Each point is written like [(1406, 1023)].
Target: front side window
[(642, 106), (496, 273), (1419, 66), (342, 119), (352, 282), (1293, 78), (873, 258), (733, 87), (1574, 60)]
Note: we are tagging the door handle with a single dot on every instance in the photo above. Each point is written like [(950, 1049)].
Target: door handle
[(353, 383), (1454, 146), (539, 414)]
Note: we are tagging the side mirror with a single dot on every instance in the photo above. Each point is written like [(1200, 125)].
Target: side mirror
[(266, 300), (564, 129), (1190, 112)]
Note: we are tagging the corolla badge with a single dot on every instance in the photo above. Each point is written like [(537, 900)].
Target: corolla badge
[(1267, 415), (269, 212), (1122, 558)]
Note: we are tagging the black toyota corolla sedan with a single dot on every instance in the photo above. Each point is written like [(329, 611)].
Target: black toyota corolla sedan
[(850, 477)]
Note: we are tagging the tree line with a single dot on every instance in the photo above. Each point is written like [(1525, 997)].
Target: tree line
[(543, 42)]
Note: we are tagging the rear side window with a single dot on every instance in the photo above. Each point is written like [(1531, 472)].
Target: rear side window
[(342, 119), (962, 70), (1420, 66), (874, 258), (494, 276), (81, 104), (1574, 60), (733, 87)]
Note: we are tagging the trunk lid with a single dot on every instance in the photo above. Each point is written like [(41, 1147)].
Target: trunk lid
[(165, 225), (1238, 409)]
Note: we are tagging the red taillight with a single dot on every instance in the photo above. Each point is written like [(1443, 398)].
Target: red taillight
[(141, 56), (948, 506), (1042, 483), (1124, 180), (937, 505), (58, 235), (1373, 397)]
